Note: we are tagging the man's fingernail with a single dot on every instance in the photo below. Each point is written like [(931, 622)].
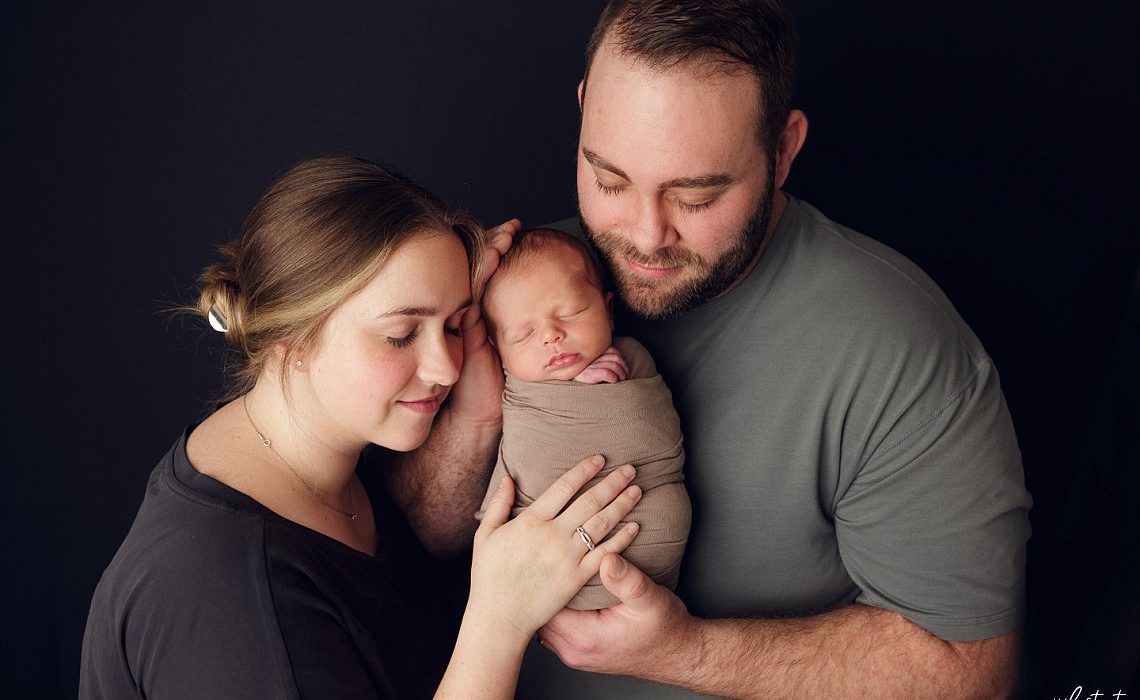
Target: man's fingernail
[(617, 567)]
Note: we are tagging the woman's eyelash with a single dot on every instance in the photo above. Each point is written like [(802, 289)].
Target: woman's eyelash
[(456, 331), (402, 342)]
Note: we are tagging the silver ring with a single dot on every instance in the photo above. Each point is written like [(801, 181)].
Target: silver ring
[(585, 537)]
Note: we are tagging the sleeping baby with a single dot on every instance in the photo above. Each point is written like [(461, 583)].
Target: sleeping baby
[(573, 390)]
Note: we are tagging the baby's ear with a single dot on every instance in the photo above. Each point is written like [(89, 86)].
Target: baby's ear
[(610, 308)]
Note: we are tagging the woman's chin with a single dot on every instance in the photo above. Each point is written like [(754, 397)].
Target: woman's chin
[(405, 442)]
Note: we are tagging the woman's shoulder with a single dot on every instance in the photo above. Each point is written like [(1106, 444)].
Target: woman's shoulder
[(189, 581)]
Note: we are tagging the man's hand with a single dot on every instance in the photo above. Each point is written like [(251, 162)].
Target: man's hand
[(854, 651), (650, 628), (609, 367), (476, 399)]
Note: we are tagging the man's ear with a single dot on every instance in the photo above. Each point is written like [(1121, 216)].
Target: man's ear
[(581, 91), (788, 147)]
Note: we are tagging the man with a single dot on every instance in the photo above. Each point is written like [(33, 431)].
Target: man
[(859, 510), (851, 459)]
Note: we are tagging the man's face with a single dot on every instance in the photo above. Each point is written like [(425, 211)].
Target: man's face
[(674, 184)]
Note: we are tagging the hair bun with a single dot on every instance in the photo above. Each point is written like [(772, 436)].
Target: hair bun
[(220, 300)]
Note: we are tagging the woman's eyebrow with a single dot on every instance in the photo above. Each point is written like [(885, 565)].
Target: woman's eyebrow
[(421, 310), (409, 311)]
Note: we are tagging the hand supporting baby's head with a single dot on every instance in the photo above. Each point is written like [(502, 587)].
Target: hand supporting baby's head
[(546, 308)]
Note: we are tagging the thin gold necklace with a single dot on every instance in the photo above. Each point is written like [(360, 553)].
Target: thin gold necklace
[(265, 442)]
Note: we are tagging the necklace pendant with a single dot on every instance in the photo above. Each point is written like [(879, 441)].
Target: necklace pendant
[(353, 516)]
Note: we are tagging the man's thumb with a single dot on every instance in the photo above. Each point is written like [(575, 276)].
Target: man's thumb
[(627, 582)]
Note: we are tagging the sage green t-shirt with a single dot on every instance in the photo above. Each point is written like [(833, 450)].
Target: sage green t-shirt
[(847, 441)]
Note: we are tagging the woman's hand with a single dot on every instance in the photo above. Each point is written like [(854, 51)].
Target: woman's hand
[(526, 570)]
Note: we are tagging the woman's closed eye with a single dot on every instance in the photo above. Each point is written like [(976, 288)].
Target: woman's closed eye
[(403, 341)]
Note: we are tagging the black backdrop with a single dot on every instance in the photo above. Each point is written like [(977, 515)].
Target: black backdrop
[(992, 142)]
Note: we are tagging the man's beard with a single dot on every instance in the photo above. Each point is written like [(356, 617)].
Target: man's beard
[(654, 298)]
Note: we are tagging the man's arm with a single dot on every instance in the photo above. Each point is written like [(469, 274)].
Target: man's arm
[(855, 651), (440, 485)]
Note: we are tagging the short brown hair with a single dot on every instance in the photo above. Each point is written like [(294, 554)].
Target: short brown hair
[(316, 237), (531, 242), (754, 34)]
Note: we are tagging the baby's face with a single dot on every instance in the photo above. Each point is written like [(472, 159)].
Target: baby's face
[(550, 321)]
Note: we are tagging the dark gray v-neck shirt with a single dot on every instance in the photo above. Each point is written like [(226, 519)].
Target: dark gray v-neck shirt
[(212, 595), (847, 441)]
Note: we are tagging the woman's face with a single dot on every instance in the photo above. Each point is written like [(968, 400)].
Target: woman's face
[(389, 354)]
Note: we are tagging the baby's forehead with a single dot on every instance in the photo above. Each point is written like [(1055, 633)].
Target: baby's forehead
[(554, 261)]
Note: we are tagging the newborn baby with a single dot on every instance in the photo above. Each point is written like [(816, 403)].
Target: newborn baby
[(573, 390)]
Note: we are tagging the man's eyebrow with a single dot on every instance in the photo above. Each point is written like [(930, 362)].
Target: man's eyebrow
[(599, 162), (697, 182), (420, 310)]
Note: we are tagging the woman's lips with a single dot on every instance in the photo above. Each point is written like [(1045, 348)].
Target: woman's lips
[(428, 405), (564, 359), (647, 271)]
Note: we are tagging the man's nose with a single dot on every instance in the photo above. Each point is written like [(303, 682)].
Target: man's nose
[(652, 229)]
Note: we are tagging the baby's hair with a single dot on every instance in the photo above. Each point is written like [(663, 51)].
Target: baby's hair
[(535, 241), (531, 242)]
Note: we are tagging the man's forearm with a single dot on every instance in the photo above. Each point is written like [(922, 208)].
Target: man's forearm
[(440, 485), (852, 652)]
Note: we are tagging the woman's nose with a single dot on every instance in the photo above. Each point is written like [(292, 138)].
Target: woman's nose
[(441, 363)]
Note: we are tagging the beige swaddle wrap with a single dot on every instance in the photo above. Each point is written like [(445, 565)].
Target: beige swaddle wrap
[(550, 426)]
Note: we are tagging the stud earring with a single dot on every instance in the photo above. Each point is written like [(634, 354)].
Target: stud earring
[(298, 363)]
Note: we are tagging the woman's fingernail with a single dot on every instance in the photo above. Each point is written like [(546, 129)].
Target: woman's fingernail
[(628, 470), (598, 460), (634, 491)]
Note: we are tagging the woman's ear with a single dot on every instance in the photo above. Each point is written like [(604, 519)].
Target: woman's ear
[(293, 357)]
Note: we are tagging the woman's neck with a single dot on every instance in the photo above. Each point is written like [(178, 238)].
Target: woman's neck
[(322, 460)]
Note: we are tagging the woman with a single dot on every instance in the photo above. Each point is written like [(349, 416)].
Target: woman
[(262, 563)]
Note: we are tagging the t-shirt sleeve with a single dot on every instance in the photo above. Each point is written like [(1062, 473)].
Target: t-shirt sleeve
[(194, 625), (934, 524)]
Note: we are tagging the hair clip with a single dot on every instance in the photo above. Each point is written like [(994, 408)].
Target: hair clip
[(217, 320)]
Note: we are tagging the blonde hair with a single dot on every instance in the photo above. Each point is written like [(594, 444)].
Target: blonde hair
[(315, 238)]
